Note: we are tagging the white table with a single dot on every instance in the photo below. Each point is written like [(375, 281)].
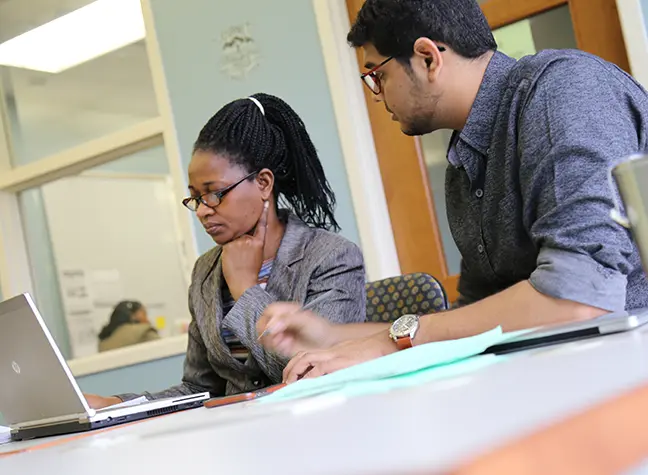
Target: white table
[(429, 427)]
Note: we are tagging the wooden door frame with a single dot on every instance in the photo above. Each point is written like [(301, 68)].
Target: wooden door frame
[(409, 198), (597, 27)]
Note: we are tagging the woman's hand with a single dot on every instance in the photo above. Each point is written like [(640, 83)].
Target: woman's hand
[(99, 402), (243, 257)]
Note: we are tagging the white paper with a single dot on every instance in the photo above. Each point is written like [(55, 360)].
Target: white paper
[(132, 402), (106, 288), (79, 311), (5, 435), (75, 292), (83, 334), (89, 297)]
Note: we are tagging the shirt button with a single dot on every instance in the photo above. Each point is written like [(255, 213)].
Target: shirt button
[(479, 193), (480, 248), (488, 151)]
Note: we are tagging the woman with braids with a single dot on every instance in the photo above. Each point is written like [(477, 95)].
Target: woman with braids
[(259, 190)]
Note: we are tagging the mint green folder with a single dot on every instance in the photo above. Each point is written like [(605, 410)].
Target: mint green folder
[(411, 367)]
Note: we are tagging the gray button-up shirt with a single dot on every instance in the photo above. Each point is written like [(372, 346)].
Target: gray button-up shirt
[(527, 189)]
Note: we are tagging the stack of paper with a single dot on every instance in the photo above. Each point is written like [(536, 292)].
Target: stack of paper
[(414, 366), (5, 435), (129, 403)]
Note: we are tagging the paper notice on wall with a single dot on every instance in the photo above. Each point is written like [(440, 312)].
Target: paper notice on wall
[(74, 291), (82, 331), (89, 297), (107, 288), (79, 311)]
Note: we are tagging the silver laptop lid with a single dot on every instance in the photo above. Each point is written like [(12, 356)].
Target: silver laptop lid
[(631, 177), (603, 325), (36, 382)]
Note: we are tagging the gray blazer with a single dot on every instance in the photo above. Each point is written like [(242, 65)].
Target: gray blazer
[(319, 269)]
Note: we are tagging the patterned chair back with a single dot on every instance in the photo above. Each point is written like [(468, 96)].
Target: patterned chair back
[(417, 294)]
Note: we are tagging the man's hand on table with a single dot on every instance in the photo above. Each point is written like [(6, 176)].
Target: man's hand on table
[(287, 329), (99, 402), (312, 364)]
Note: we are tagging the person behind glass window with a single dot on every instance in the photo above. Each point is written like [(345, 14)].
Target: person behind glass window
[(128, 325)]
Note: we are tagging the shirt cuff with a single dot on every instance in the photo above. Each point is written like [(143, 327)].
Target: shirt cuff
[(246, 311), (571, 276)]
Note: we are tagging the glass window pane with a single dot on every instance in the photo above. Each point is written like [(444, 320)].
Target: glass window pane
[(93, 95), (106, 235), (549, 30)]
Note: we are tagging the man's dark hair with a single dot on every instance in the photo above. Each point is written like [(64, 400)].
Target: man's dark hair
[(393, 26), (276, 139)]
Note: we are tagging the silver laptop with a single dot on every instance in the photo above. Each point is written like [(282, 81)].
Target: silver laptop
[(562, 333), (38, 394)]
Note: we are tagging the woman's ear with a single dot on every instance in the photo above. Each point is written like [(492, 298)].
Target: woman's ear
[(265, 181)]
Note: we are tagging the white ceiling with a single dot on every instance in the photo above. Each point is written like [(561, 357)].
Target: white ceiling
[(61, 110)]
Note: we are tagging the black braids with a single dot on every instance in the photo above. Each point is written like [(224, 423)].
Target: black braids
[(303, 185), (280, 142)]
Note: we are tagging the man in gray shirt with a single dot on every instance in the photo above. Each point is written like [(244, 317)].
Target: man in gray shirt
[(527, 191)]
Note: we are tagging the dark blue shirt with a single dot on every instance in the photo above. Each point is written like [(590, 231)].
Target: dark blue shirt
[(527, 189)]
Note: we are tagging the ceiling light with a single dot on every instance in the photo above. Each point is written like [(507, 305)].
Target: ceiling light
[(82, 35)]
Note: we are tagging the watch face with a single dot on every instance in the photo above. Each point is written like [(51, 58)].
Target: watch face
[(404, 325)]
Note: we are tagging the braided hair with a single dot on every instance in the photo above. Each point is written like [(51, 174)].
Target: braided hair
[(265, 132)]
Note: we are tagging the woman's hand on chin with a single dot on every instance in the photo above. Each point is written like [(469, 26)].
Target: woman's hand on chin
[(242, 258)]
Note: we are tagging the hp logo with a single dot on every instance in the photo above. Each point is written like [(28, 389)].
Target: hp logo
[(15, 367)]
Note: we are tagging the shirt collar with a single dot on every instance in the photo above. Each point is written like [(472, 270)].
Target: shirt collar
[(479, 127), (452, 154)]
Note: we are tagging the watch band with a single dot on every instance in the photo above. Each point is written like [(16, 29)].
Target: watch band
[(404, 342)]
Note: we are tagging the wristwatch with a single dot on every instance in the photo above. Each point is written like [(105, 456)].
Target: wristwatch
[(403, 331)]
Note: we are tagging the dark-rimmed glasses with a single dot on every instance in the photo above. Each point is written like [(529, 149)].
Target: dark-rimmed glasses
[(371, 79), (211, 199)]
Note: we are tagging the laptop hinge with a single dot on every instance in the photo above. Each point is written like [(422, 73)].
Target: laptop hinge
[(82, 417)]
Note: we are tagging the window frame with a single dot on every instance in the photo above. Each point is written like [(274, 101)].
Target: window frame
[(15, 269)]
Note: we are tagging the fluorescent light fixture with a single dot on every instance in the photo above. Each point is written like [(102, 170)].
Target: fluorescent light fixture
[(82, 35)]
